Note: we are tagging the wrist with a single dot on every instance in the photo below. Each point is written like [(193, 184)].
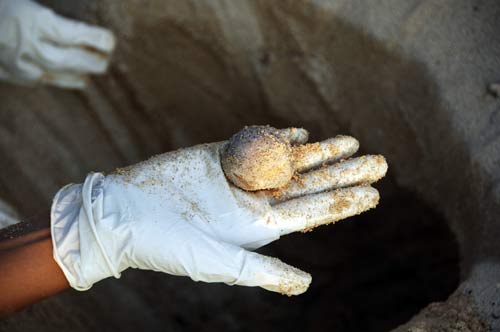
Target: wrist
[(29, 274), (82, 233)]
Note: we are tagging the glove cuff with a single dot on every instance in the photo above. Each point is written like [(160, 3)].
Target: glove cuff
[(78, 250)]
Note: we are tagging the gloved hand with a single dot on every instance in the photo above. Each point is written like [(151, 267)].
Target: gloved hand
[(8, 215), (37, 45), (177, 213)]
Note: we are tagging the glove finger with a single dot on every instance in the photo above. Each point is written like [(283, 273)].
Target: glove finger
[(66, 80), (308, 212), (203, 258), (68, 32), (295, 135), (272, 274), (70, 59), (315, 154), (362, 170), (28, 71)]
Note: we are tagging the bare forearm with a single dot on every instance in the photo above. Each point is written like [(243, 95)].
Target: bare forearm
[(29, 272)]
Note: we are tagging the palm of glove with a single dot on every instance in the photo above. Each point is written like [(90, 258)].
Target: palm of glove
[(183, 217)]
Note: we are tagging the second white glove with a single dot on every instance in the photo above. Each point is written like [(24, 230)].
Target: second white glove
[(37, 45)]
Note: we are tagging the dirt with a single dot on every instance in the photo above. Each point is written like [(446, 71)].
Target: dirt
[(458, 314)]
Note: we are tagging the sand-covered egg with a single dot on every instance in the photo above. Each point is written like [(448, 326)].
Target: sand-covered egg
[(258, 157)]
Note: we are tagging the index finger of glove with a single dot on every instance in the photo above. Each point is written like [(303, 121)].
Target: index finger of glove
[(61, 30), (73, 59)]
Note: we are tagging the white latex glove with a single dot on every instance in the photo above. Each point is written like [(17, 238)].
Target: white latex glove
[(37, 45), (177, 213), (8, 215)]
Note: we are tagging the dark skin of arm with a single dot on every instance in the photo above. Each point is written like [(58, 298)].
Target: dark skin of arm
[(29, 272)]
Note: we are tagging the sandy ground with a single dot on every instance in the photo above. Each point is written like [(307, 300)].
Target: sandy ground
[(409, 80)]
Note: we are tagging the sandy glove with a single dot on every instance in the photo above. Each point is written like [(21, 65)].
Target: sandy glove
[(37, 45), (177, 213)]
